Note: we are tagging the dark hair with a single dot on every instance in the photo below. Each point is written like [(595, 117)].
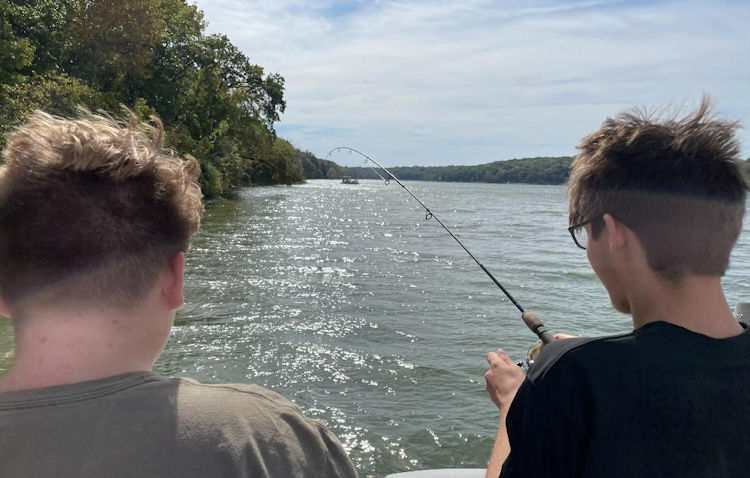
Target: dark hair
[(92, 209), (674, 181)]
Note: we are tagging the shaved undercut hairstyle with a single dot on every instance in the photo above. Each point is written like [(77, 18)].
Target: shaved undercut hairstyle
[(675, 182), (92, 209)]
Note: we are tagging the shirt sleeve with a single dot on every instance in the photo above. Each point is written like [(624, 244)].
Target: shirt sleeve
[(336, 461), (300, 447), (549, 426)]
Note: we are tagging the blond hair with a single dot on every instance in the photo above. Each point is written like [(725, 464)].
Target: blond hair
[(92, 208)]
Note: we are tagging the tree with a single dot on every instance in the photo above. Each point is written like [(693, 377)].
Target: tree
[(260, 97), (154, 56), (45, 25), (16, 53), (56, 93), (286, 163), (115, 42)]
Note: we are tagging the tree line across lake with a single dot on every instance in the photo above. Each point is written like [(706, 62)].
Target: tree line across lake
[(543, 170), (155, 57)]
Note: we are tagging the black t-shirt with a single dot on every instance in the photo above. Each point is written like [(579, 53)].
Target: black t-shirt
[(661, 401)]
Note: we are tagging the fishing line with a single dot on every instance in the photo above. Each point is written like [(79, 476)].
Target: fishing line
[(531, 320)]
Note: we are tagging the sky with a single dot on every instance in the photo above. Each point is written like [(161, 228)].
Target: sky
[(437, 82)]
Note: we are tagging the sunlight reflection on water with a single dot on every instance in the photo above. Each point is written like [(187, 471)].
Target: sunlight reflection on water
[(345, 300)]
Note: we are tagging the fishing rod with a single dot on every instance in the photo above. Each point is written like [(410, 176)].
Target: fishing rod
[(531, 320)]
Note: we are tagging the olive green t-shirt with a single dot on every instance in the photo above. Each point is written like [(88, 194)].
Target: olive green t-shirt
[(142, 425)]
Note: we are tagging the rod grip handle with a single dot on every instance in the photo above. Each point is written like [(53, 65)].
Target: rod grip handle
[(536, 326)]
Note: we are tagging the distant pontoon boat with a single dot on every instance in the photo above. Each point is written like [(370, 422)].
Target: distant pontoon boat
[(349, 180)]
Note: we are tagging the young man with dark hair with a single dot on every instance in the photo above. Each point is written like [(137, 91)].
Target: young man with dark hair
[(658, 206), (95, 220)]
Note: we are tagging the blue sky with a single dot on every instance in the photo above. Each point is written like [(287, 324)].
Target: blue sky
[(435, 82)]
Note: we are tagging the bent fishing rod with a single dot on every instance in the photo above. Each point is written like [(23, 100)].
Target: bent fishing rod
[(531, 320)]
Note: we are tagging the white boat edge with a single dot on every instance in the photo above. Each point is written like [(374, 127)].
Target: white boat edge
[(442, 473)]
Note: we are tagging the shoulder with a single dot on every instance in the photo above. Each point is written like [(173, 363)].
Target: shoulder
[(238, 394), (244, 407), (557, 405), (580, 355), (555, 408), (238, 403), (257, 425)]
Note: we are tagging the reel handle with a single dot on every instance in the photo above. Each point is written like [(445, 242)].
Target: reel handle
[(536, 326)]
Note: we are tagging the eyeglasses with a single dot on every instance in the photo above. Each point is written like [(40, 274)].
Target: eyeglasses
[(579, 234)]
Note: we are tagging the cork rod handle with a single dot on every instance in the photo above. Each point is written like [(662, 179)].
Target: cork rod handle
[(536, 326)]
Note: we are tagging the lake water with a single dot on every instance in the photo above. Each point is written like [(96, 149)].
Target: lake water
[(348, 302)]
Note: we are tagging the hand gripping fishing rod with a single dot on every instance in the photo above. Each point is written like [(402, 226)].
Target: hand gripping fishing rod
[(531, 320)]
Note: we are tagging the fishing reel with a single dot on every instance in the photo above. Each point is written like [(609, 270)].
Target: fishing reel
[(545, 337), (527, 362)]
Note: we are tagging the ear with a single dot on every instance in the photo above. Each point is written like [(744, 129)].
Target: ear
[(4, 311), (172, 282), (617, 232)]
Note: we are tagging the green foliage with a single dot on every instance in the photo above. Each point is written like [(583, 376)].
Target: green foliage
[(46, 26), (142, 110), (56, 93), (114, 42), (544, 170), (745, 169), (16, 53), (287, 163), (210, 181), (316, 168), (553, 170), (155, 57)]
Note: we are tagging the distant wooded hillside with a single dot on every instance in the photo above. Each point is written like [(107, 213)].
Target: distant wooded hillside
[(543, 170), (527, 170)]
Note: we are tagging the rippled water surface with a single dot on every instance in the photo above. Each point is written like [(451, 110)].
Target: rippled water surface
[(345, 300)]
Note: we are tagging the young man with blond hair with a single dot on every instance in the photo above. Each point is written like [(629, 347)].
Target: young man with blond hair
[(658, 205), (95, 221)]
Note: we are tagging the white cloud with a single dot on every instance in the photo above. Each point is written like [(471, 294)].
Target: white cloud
[(464, 82)]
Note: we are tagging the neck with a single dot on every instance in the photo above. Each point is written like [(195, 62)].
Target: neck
[(698, 304), (57, 349)]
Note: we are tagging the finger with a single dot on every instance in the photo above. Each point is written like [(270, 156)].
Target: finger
[(507, 360), (492, 358), (504, 356), (535, 351), (563, 336), (502, 365)]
